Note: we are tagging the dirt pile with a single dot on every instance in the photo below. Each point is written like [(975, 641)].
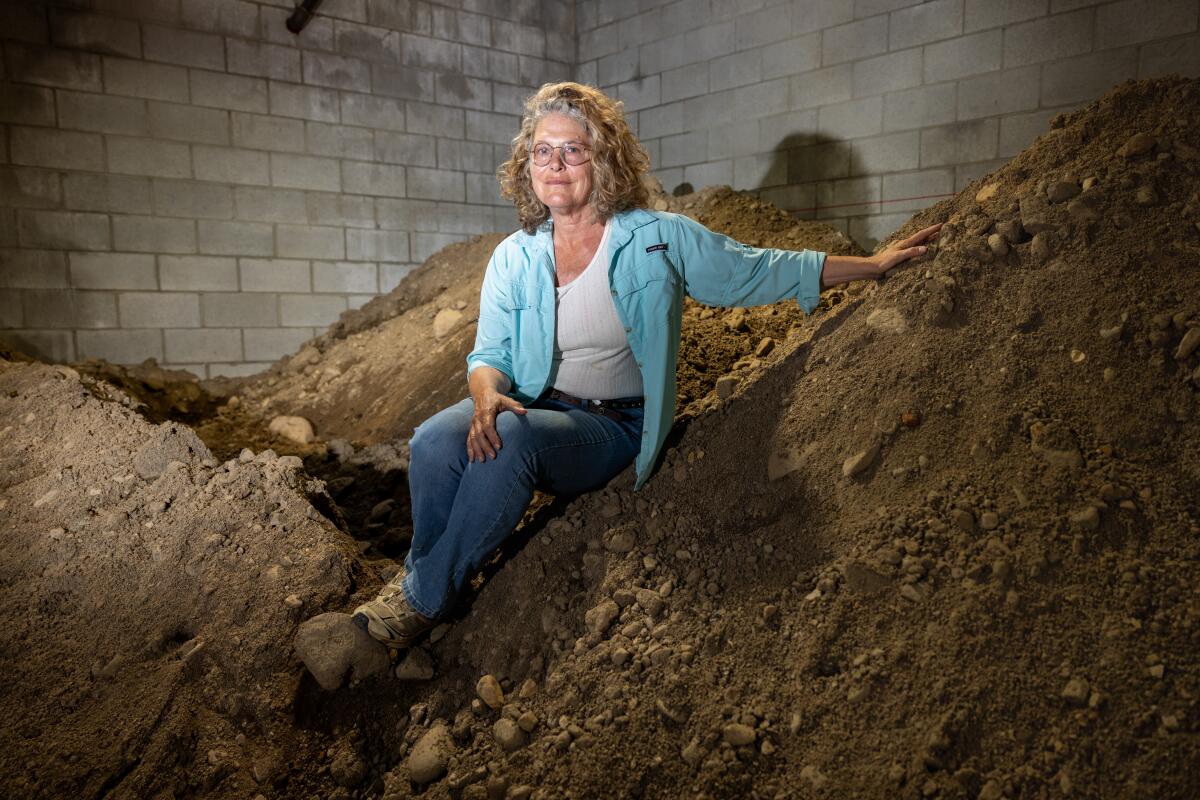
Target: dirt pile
[(148, 596), (947, 546)]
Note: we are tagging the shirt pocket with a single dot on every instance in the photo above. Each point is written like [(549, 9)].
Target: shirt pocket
[(652, 271)]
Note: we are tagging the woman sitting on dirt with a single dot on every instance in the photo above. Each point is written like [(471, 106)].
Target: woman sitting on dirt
[(579, 325)]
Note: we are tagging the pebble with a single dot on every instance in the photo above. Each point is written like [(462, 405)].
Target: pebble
[(1146, 196), (1087, 519), (332, 647), (600, 617), (294, 429), (445, 321), (814, 776), (963, 520), (764, 347), (860, 461), (738, 735), (430, 755), (998, 245), (293, 601), (527, 721), (619, 540), (989, 520), (417, 665), (1035, 215), (509, 735), (528, 689), (726, 385), (1136, 145), (1042, 248), (650, 600), (1076, 692), (1188, 344), (1061, 191), (489, 691)]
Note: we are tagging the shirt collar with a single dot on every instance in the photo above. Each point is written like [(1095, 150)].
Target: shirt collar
[(624, 224)]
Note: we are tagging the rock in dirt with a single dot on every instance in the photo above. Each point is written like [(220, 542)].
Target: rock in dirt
[(738, 735), (860, 461), (294, 429), (599, 618), (1076, 692), (171, 443), (1138, 144), (489, 691), (1188, 344), (445, 322), (416, 666), (509, 735), (1087, 519), (650, 600), (332, 647), (726, 385), (430, 755)]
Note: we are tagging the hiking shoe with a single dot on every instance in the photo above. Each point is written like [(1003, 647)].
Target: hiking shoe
[(390, 619)]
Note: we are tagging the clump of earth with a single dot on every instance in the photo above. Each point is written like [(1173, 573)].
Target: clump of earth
[(941, 540)]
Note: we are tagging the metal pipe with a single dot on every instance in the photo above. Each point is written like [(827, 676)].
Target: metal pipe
[(301, 16)]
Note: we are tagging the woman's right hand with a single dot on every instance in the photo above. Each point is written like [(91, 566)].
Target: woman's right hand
[(482, 439)]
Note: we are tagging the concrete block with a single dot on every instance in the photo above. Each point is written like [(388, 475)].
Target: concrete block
[(1004, 92), (159, 309), (912, 191), (819, 162), (406, 83), (342, 210), (33, 269), (240, 370), (920, 107), (455, 154), (189, 48), (257, 204), (94, 32), (887, 73), (973, 140), (112, 271), (1083, 78), (736, 69), (709, 42), (373, 112), (390, 275), (231, 165), (795, 55), (483, 189), (273, 344), (144, 79), (53, 309), (435, 54), (369, 245), (261, 132), (365, 41), (310, 309), (1180, 56), (188, 123), (848, 197), (821, 87), (505, 67), (48, 346), (670, 52), (192, 199), (461, 26), (307, 241), (731, 140), (263, 60), (1048, 38), (963, 56), (238, 310), (1135, 21), (142, 156), (26, 105), (54, 67), (197, 345), (713, 108), (494, 128), (981, 14), (632, 31), (342, 277), (816, 15), (964, 174), (8, 227), (683, 82), (715, 173), (235, 92), (870, 231), (373, 179), (759, 100), (339, 141), (924, 23), (785, 131), (426, 244), (459, 90), (511, 99), (197, 274), (231, 17), (121, 347), (529, 40), (62, 229), (684, 148), (42, 147), (305, 172), (21, 187), (599, 42), (400, 16), (639, 94), (166, 11), (659, 121), (24, 22), (409, 215), (758, 28), (891, 152), (474, 62), (852, 119), (318, 35), (617, 67), (235, 238), (154, 235), (11, 313), (435, 184), (338, 72), (855, 40), (305, 102), (759, 171), (274, 275), (464, 218), (869, 8)]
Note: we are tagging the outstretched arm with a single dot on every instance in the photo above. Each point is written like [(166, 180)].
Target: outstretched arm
[(841, 269)]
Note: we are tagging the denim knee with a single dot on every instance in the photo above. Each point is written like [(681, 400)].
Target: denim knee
[(439, 439)]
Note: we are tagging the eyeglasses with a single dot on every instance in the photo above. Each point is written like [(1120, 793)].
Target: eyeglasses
[(573, 153)]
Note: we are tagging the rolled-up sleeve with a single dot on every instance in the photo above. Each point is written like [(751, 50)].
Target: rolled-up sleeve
[(493, 336), (719, 271)]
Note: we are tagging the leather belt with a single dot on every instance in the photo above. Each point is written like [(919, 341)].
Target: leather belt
[(610, 405)]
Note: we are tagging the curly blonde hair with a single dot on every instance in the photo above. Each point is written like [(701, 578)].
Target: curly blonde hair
[(618, 159)]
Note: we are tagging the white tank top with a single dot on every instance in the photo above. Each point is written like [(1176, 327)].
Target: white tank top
[(592, 357)]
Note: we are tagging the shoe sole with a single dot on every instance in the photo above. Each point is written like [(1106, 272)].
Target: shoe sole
[(378, 629)]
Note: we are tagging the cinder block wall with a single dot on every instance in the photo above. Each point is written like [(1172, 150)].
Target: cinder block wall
[(187, 180), (860, 112)]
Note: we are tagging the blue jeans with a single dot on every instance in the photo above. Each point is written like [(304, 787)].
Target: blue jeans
[(463, 510)]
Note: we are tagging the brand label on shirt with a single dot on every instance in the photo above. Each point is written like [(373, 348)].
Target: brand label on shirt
[(654, 248)]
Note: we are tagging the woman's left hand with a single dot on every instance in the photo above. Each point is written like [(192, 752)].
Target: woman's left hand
[(901, 251)]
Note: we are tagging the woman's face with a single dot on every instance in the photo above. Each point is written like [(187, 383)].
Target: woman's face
[(563, 188)]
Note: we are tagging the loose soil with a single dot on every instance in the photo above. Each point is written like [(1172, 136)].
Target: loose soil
[(942, 540)]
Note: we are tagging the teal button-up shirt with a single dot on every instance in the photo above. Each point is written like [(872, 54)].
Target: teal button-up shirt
[(654, 259)]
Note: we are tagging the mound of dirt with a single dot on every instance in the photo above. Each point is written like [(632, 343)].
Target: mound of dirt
[(149, 595), (947, 545)]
